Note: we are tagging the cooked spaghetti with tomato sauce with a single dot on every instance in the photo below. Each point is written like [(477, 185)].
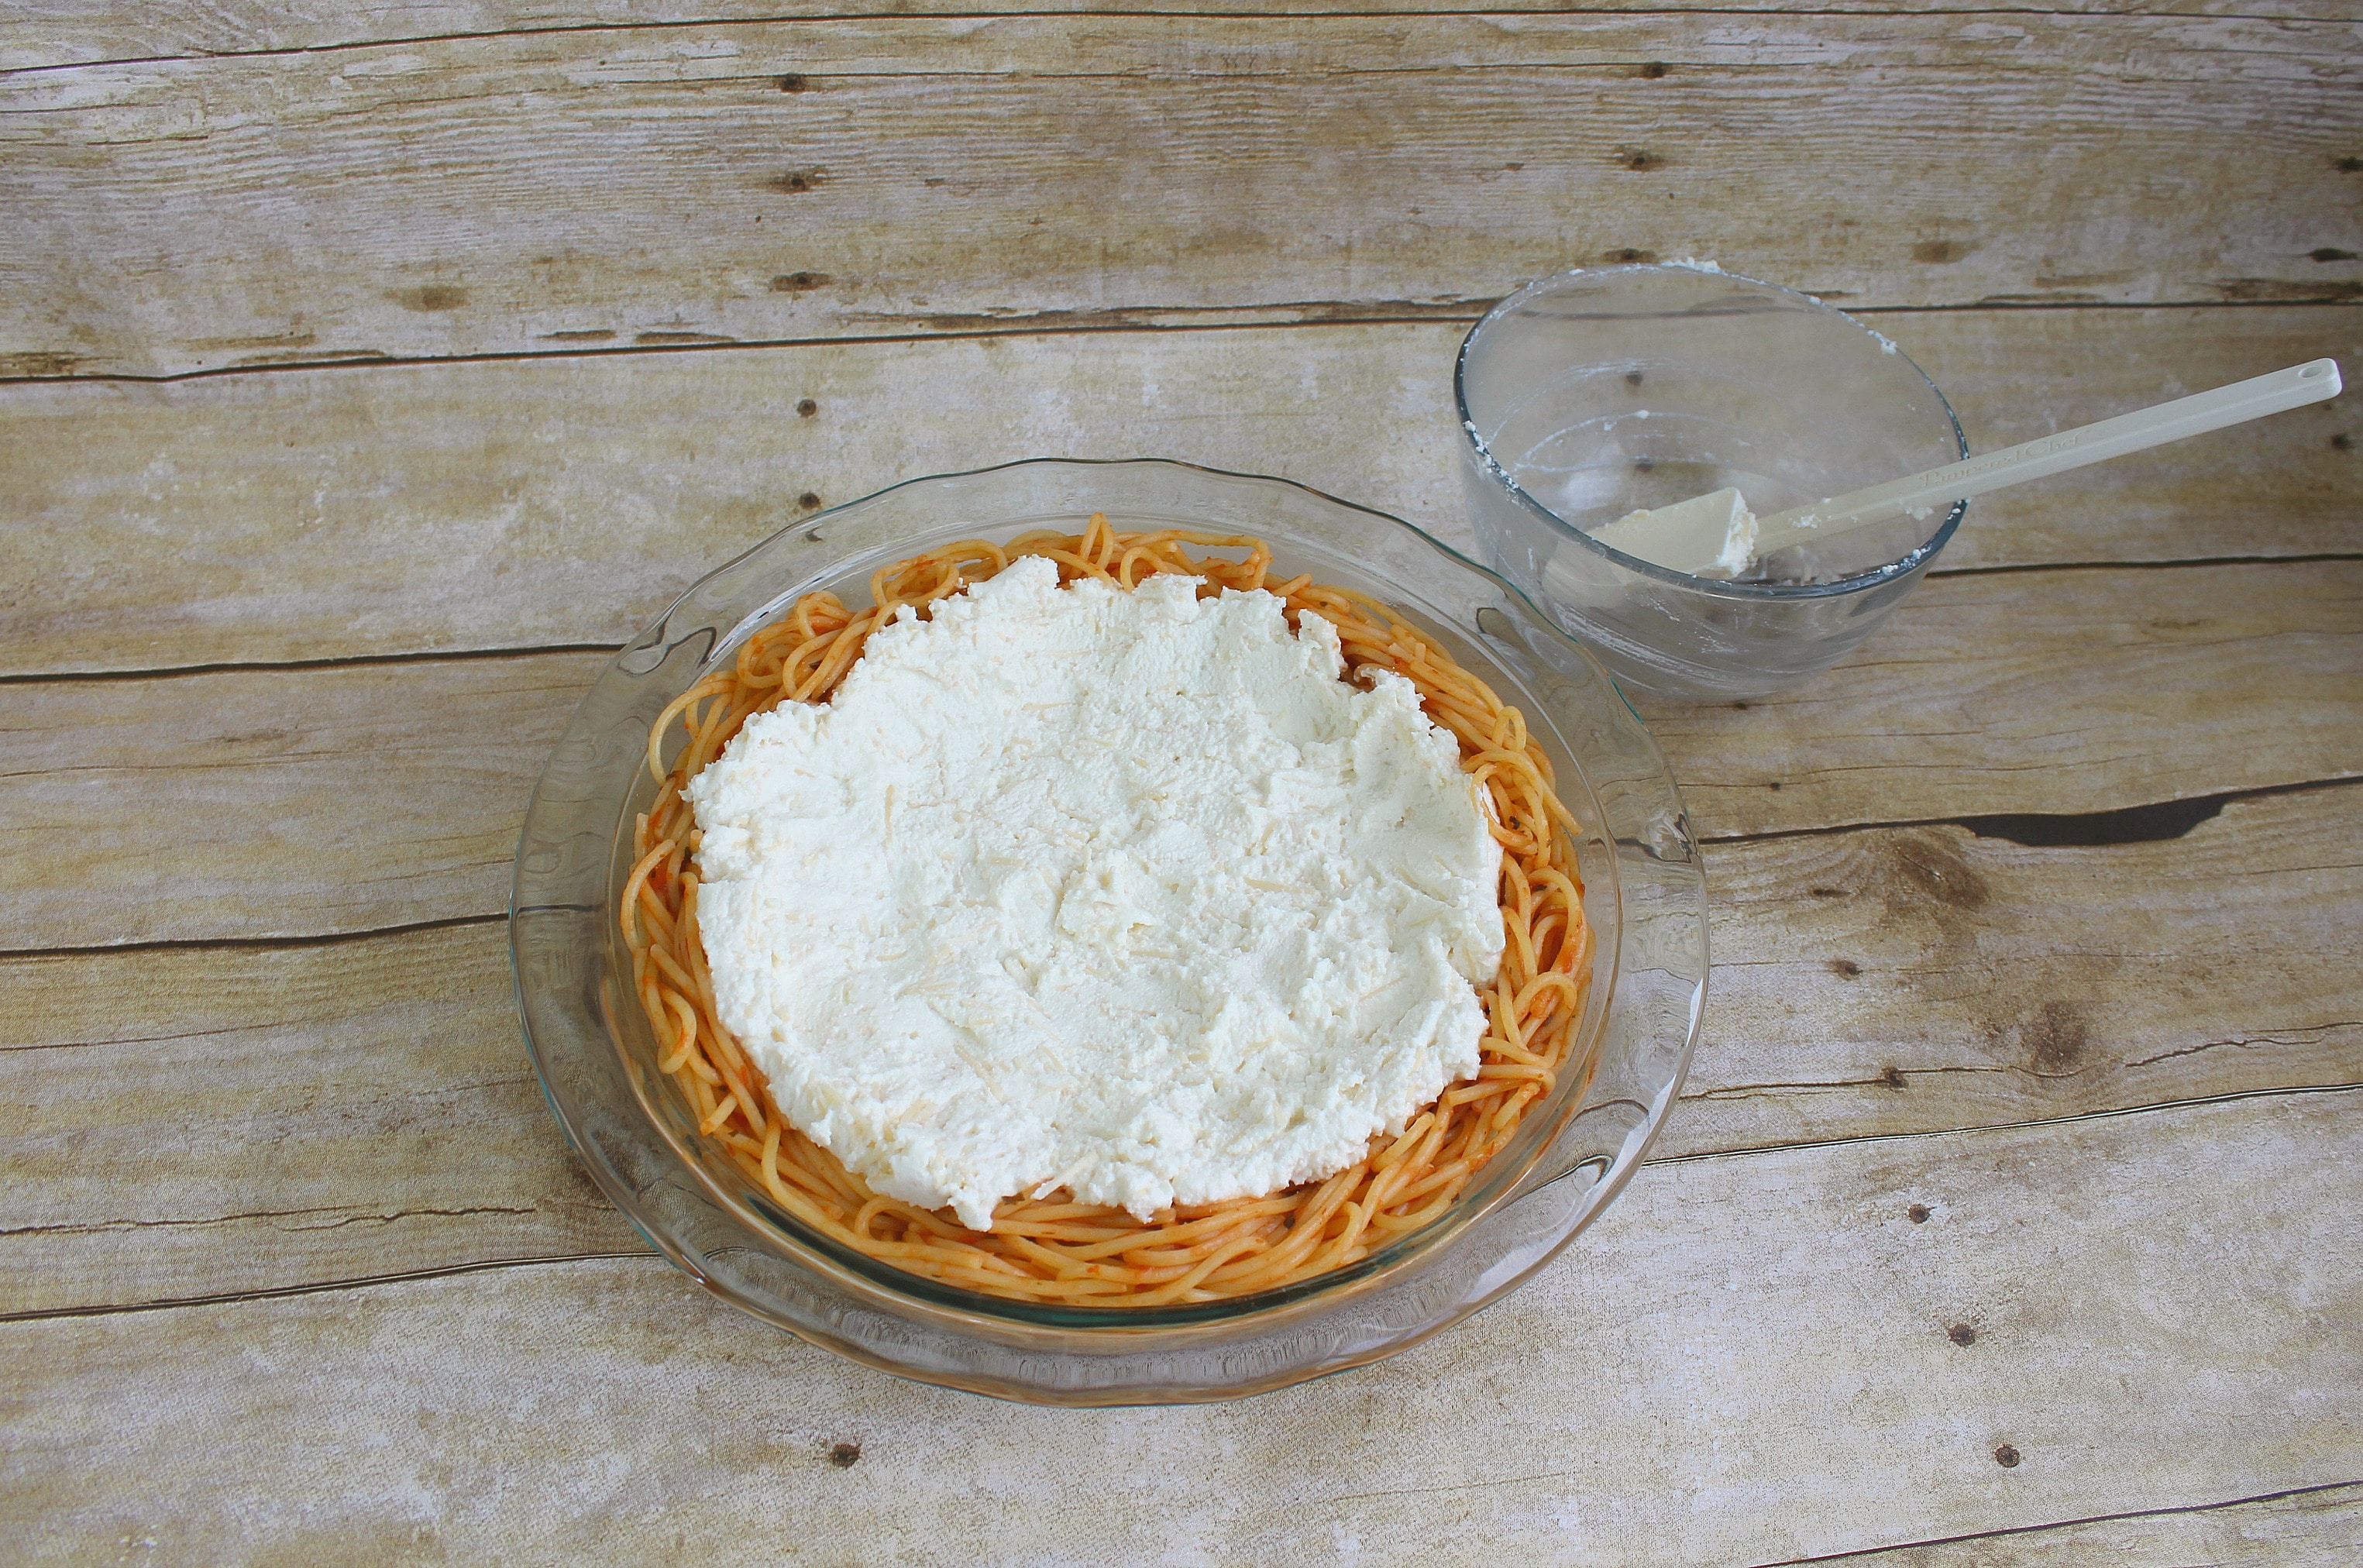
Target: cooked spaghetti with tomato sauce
[(1044, 1244)]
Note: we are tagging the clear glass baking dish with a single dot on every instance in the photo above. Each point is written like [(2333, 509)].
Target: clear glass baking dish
[(1644, 892)]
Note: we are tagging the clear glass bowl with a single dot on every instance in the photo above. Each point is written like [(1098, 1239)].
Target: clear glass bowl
[(1597, 392), (1643, 894)]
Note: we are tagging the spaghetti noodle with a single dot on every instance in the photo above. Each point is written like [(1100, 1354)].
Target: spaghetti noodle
[(1052, 1248)]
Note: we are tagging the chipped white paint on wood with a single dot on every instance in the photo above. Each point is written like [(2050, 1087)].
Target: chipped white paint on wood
[(531, 191), (1750, 1357), (432, 508)]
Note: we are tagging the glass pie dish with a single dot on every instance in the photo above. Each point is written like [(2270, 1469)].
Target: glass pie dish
[(1644, 894)]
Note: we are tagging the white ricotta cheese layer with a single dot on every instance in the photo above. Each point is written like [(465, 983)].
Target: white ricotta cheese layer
[(1126, 891)]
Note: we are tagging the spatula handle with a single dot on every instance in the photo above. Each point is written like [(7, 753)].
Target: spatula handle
[(2193, 416)]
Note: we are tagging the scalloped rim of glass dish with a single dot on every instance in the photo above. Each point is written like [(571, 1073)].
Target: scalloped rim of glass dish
[(1018, 1324), (1710, 585)]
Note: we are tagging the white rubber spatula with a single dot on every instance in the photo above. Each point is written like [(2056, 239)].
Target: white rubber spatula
[(1715, 535)]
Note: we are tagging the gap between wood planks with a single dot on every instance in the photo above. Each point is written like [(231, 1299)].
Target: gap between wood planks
[(556, 650), (255, 944), (709, 152), (486, 1265), (2006, 569), (1176, 13), (1314, 314), (2061, 1003), (2150, 822), (322, 1287), (2019, 1530), (1348, 13)]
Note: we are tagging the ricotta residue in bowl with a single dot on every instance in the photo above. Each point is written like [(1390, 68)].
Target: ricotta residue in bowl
[(1128, 892)]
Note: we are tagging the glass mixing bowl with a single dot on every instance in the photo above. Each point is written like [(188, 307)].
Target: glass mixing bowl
[(1601, 392), (1643, 894)]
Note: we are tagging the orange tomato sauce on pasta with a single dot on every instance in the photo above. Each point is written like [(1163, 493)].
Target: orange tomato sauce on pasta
[(1052, 1249)]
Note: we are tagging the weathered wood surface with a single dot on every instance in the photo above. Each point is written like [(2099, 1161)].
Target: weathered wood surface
[(190, 1123), (525, 193), (1918, 978), (298, 803), (271, 804), (2046, 691), (182, 1125), (65, 32), (1762, 1356), (435, 508), (407, 1328)]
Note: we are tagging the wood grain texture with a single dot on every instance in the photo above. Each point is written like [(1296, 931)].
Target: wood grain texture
[(1749, 1358), (64, 32), (1993, 1149), (192, 1124), (519, 193), (272, 804), (182, 1125), (439, 508), (302, 803), (1907, 979)]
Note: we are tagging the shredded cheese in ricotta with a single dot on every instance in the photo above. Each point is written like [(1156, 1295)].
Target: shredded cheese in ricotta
[(1126, 891)]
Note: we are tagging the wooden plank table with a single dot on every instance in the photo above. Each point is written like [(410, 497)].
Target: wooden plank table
[(370, 370)]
